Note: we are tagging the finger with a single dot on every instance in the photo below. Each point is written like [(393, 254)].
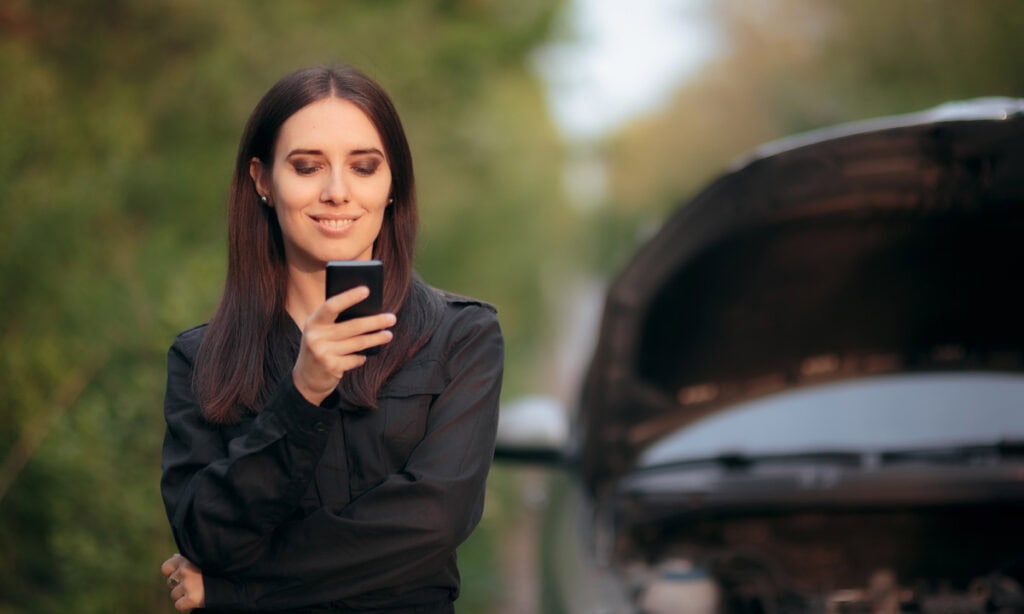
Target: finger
[(177, 578), (328, 312), (168, 566), (358, 326), (337, 355), (189, 567), (341, 365), (373, 339), (376, 322)]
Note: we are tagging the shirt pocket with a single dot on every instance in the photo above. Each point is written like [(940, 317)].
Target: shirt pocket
[(325, 471), (404, 403), (379, 442)]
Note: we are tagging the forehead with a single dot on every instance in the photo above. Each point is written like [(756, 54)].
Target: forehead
[(330, 125)]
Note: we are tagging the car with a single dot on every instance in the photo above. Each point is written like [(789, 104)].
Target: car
[(806, 392)]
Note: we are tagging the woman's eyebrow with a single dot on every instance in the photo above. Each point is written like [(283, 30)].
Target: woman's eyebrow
[(368, 150), (317, 152), (304, 152)]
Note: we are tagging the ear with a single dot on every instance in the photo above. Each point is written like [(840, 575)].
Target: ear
[(260, 177)]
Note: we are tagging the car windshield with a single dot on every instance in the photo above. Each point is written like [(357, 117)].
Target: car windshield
[(893, 412)]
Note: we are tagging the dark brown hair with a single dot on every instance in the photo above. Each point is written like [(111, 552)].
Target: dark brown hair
[(245, 350)]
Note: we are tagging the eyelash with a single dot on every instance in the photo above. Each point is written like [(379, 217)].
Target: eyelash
[(306, 170), (365, 170)]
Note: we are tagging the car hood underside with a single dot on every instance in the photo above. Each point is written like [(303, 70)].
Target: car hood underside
[(886, 247)]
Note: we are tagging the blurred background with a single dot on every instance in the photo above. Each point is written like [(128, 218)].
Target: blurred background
[(550, 138)]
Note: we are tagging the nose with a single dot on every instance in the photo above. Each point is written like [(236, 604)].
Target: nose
[(335, 189)]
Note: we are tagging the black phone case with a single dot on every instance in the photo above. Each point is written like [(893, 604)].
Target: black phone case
[(344, 275)]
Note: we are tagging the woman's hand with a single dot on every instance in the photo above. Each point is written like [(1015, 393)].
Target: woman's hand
[(186, 582), (329, 349)]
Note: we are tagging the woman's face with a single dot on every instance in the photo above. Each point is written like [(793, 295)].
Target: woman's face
[(329, 184)]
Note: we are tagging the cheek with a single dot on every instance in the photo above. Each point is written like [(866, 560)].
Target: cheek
[(289, 191), (383, 186), (375, 198), (378, 220)]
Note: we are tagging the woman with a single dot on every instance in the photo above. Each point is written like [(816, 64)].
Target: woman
[(298, 473)]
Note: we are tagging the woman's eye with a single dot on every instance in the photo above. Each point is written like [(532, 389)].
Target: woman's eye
[(306, 169), (365, 168)]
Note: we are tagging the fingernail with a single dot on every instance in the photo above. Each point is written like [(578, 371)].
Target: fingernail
[(392, 318)]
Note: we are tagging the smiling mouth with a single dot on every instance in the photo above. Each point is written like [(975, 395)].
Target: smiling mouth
[(335, 224)]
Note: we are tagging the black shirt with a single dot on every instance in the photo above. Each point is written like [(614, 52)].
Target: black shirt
[(332, 505)]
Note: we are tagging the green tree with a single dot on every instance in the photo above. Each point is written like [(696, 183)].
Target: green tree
[(119, 125)]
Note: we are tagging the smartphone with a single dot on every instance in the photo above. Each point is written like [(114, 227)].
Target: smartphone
[(344, 275)]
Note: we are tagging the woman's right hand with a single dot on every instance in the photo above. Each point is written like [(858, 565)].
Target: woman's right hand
[(186, 583), (329, 349)]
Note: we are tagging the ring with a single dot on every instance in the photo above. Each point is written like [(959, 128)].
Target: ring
[(172, 581)]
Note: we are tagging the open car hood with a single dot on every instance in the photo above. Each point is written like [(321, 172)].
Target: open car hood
[(881, 246)]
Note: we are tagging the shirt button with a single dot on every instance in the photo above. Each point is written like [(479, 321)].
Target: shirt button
[(320, 427)]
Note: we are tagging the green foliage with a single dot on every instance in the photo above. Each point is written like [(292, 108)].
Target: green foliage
[(120, 123)]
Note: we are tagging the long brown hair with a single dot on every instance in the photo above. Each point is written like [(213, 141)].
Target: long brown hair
[(245, 350)]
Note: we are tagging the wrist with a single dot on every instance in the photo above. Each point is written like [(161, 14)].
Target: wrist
[(314, 395)]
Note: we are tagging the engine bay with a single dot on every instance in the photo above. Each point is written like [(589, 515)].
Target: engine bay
[(948, 560)]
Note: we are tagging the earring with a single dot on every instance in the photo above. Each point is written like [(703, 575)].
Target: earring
[(263, 199), (391, 200)]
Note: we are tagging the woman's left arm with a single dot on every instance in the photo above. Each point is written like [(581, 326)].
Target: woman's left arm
[(406, 528)]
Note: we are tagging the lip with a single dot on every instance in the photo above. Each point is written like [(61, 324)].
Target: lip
[(334, 225)]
